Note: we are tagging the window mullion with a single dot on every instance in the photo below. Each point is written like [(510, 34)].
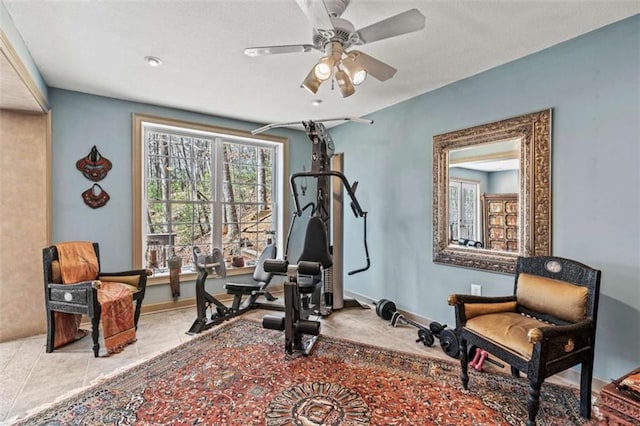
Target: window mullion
[(217, 158), (169, 201), (193, 189), (277, 181)]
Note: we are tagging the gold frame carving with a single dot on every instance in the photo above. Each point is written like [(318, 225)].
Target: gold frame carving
[(534, 132)]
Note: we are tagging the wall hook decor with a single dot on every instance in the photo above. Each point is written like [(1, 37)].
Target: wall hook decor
[(94, 166), (95, 197)]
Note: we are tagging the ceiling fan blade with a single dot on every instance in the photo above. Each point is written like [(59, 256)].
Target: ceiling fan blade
[(372, 66), (402, 23), (317, 13), (274, 50)]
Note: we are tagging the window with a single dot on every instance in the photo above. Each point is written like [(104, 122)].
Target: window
[(464, 201), (204, 186)]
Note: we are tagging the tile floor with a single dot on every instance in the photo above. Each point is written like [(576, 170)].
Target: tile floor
[(30, 377)]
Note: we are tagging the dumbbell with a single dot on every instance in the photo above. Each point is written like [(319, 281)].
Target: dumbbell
[(479, 356), (436, 328), (448, 338), (386, 310), (425, 336)]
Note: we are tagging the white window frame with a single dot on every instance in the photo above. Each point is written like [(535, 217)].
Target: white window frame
[(280, 188), (461, 183)]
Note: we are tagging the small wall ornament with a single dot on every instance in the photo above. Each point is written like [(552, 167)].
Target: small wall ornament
[(95, 197), (94, 166)]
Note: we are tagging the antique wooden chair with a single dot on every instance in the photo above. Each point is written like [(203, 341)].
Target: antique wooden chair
[(546, 326), (82, 297)]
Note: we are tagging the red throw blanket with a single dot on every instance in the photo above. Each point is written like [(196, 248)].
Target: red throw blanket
[(78, 262), (118, 326)]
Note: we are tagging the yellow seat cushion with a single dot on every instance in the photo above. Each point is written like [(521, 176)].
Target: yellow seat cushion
[(553, 297), (131, 280), (507, 329)]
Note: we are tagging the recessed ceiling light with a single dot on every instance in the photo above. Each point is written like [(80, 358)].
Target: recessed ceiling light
[(153, 61), (316, 102)]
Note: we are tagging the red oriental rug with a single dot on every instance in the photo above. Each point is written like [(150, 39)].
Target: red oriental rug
[(238, 374)]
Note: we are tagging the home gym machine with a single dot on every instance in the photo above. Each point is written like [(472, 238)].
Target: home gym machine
[(324, 165), (313, 276), (307, 276), (214, 264)]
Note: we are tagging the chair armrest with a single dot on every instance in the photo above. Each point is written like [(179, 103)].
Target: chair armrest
[(461, 299), (140, 272), (75, 298), (83, 284), (467, 306), (540, 334)]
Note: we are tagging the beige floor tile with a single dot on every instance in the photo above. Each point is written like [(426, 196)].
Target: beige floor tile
[(8, 351), (16, 372)]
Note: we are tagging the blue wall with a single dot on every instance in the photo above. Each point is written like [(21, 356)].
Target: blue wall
[(81, 121), (504, 182), (593, 85)]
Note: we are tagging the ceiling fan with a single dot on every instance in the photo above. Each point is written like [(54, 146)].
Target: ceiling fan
[(333, 35)]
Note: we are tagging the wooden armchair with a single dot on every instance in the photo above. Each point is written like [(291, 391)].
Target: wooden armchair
[(546, 326), (82, 298)]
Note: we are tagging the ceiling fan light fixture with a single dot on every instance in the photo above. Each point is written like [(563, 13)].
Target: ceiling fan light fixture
[(324, 68), (311, 82), (357, 74), (344, 84), (359, 77)]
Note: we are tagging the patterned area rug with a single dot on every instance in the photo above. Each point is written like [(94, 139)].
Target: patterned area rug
[(238, 374)]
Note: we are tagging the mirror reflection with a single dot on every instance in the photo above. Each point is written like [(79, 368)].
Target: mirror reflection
[(483, 195), (492, 193)]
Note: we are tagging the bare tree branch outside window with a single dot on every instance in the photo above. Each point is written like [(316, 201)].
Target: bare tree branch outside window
[(180, 192)]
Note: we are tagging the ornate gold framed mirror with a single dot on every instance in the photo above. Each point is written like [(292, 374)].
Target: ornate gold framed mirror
[(492, 193)]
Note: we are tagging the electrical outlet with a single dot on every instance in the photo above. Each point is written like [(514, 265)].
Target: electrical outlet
[(476, 289)]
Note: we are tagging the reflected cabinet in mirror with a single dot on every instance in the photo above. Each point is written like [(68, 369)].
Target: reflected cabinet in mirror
[(492, 193)]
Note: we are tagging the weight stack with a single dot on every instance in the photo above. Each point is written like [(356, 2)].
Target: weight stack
[(328, 289)]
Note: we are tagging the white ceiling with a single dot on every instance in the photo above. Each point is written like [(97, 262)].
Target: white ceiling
[(98, 47), (491, 157)]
